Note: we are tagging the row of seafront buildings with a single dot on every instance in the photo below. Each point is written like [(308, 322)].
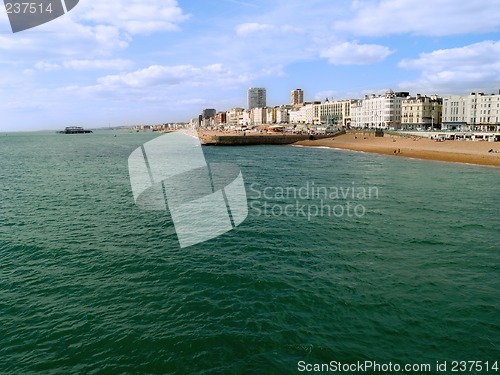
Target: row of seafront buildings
[(392, 110)]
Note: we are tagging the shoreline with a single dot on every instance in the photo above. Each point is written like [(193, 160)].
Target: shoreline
[(470, 152)]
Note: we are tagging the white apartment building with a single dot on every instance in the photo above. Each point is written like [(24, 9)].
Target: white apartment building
[(270, 115), (473, 112), (380, 111), (259, 116), (487, 113), (333, 112), (281, 113), (297, 115), (357, 113), (304, 114), (421, 112), (234, 115), (458, 111), (246, 118), (309, 108)]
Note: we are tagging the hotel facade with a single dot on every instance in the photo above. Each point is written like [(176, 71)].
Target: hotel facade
[(333, 112), (421, 112), (378, 111), (473, 112)]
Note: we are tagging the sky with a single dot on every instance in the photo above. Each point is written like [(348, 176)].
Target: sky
[(117, 62)]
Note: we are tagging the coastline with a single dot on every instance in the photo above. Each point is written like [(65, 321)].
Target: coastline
[(471, 152), (253, 138)]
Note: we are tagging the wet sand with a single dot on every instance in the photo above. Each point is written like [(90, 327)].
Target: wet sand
[(473, 152)]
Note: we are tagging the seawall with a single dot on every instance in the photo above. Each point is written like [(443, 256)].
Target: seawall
[(250, 140)]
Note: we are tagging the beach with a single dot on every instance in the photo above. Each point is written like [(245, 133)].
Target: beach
[(473, 152)]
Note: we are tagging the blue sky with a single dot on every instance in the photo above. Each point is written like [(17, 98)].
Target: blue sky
[(119, 62)]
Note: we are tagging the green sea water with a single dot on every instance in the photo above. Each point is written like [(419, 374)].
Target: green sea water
[(91, 284)]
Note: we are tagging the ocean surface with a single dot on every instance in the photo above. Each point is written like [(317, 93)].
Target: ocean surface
[(344, 256)]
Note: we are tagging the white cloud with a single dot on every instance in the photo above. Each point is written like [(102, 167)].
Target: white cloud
[(276, 71), (167, 76), (9, 43), (85, 64), (473, 55), (47, 66), (245, 29), (115, 64), (65, 37), (352, 53), (252, 27), (438, 17), (135, 16), (472, 67), (97, 27)]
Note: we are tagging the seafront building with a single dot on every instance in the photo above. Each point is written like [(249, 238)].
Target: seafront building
[(473, 112), (282, 114), (303, 114), (256, 97), (357, 113), (220, 118), (333, 113), (393, 110), (488, 112), (234, 115), (297, 115), (297, 97), (270, 115), (208, 112), (259, 116), (421, 112), (207, 117), (246, 118), (379, 111), (458, 111)]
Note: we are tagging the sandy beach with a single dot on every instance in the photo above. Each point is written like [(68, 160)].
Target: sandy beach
[(473, 152)]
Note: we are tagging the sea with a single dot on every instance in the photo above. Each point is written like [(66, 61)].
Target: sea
[(345, 259)]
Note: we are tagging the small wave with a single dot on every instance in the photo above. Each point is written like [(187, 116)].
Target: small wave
[(320, 147), (427, 242)]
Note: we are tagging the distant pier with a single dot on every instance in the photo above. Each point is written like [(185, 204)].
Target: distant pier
[(75, 130)]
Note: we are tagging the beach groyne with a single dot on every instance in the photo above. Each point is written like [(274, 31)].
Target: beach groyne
[(269, 139)]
